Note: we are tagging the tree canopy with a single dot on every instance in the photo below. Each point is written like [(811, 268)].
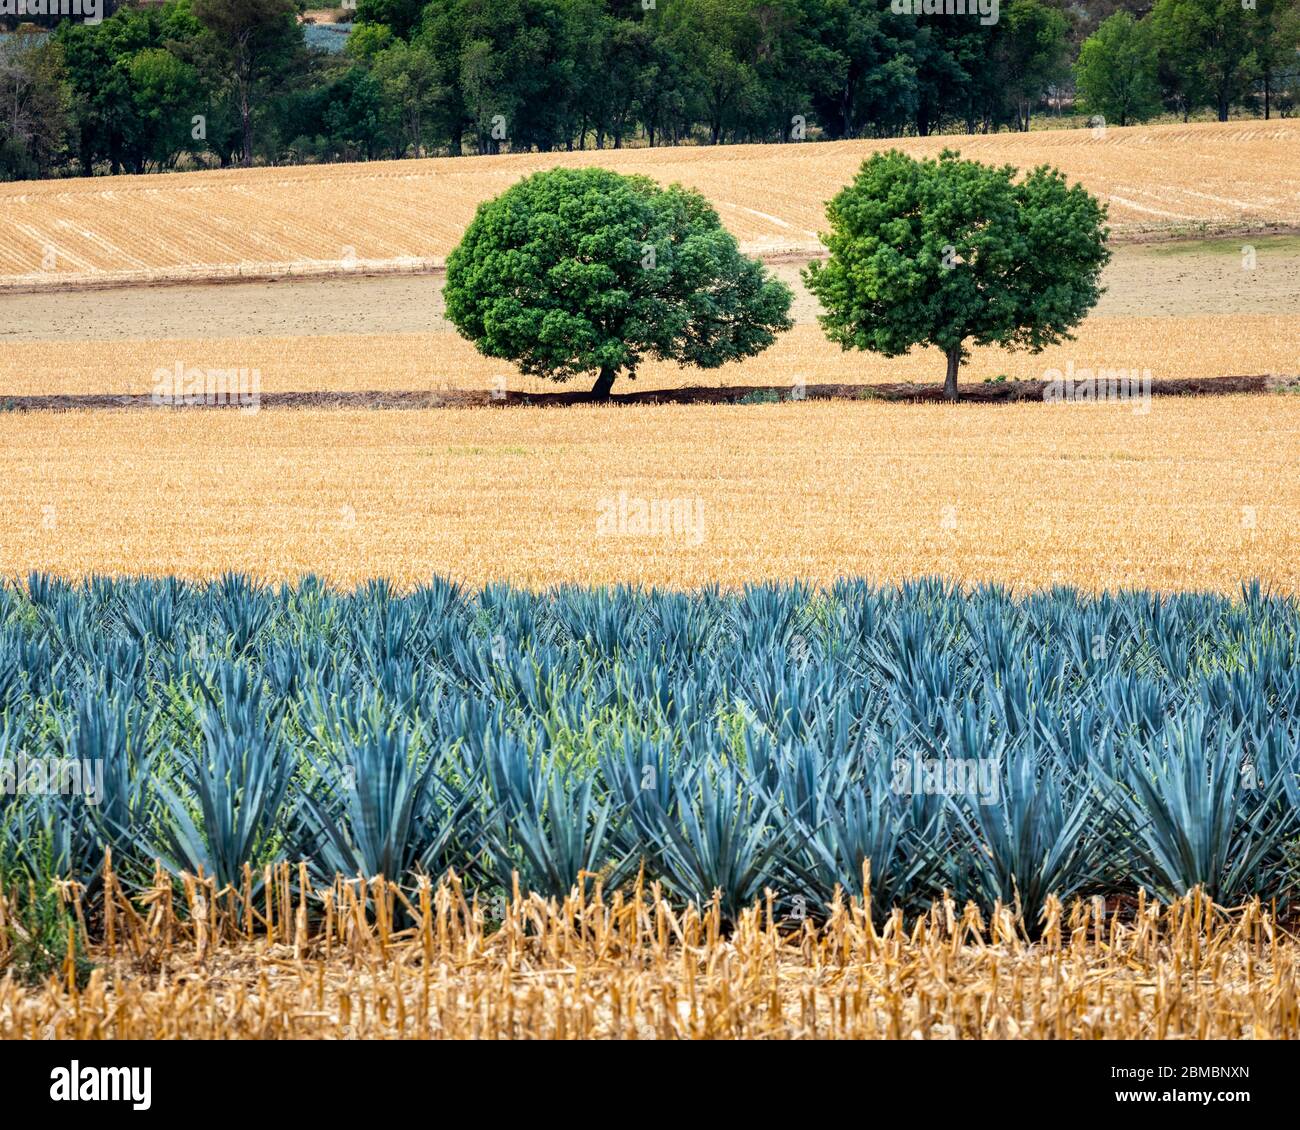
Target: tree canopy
[(428, 77), (580, 271), (948, 252), (1117, 71)]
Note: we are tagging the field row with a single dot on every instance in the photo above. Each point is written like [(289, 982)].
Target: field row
[(1196, 493), (615, 969), (771, 196), (1208, 346)]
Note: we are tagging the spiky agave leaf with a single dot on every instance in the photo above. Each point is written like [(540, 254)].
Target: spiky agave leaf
[(569, 840), (231, 794), (1031, 834), (379, 808), (724, 838), (1199, 819)]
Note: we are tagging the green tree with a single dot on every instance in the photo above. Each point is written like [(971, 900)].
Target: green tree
[(945, 252), (868, 79), (716, 40), (1209, 49), (508, 68), (365, 41), (1031, 53), (576, 271), (34, 118), (411, 83), (165, 91), (401, 16), (1276, 31), (1118, 73), (351, 114), (257, 38)]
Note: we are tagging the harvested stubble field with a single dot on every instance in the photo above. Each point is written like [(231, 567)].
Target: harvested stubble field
[(639, 968), (411, 213), (1197, 493), (1212, 346)]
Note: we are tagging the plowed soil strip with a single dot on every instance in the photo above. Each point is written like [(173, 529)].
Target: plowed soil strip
[(992, 392)]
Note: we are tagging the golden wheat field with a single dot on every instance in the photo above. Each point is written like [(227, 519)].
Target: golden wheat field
[(1196, 493), (411, 213), (636, 967), (1208, 346)]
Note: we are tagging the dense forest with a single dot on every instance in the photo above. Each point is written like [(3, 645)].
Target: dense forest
[(151, 87)]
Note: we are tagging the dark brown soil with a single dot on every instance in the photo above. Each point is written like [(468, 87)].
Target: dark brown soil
[(993, 392)]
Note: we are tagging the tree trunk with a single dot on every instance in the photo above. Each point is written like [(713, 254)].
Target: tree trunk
[(950, 382), (246, 129), (604, 382)]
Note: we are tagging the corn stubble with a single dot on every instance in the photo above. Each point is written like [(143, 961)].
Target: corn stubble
[(207, 964)]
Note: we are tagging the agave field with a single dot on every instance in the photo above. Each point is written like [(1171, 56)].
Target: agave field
[(731, 746)]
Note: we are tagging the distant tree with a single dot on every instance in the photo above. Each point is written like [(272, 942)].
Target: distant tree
[(257, 38), (715, 38), (402, 17), (1288, 32), (410, 79), (576, 271), (1276, 34), (351, 114), (868, 81), (365, 41), (1208, 47), (165, 91), (1118, 73), (1031, 53), (508, 68), (945, 252), (34, 118)]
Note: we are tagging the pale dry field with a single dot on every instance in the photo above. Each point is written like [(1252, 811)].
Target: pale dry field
[(1197, 494), (1177, 309), (1237, 345), (1241, 275), (410, 213)]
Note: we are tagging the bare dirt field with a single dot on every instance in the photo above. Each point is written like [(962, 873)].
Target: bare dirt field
[(1181, 310), (1176, 279)]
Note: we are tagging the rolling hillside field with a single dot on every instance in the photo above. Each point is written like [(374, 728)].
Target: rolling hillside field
[(410, 214), (1174, 494)]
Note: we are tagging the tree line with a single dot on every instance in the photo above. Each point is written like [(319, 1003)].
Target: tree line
[(228, 82)]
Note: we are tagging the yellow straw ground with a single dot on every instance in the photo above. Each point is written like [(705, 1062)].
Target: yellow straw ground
[(1198, 493), (1204, 346)]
